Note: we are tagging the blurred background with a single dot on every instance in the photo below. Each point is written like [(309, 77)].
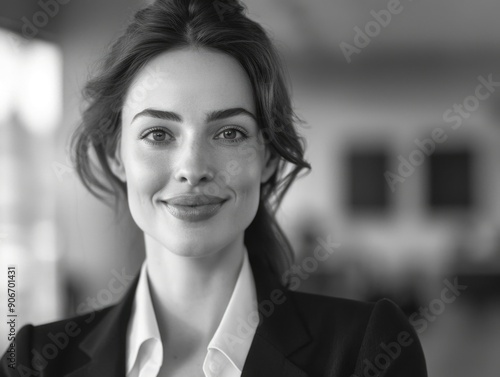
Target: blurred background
[(402, 107)]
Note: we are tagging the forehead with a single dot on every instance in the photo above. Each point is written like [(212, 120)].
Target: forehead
[(190, 80)]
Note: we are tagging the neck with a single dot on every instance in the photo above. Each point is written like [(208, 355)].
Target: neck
[(190, 294)]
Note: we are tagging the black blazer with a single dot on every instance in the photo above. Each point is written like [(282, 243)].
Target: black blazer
[(299, 335)]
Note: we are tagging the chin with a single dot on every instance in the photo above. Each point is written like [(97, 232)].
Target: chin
[(190, 245)]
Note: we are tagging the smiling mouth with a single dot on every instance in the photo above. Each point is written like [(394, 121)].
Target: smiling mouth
[(194, 213), (188, 200)]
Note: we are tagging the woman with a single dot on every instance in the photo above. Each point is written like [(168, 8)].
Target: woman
[(191, 123)]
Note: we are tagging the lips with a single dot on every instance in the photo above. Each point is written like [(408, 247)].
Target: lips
[(194, 207), (194, 200)]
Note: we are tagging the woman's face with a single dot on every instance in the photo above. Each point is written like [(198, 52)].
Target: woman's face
[(189, 128)]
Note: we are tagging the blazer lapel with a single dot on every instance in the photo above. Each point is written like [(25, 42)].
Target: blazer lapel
[(264, 360), (106, 343), (280, 331)]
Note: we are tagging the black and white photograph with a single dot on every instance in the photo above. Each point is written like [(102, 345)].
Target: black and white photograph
[(254, 188)]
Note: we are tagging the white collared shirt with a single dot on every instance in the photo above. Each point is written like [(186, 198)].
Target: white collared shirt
[(228, 348)]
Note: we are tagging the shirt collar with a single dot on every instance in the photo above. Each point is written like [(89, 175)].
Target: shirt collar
[(143, 327), (230, 342), (234, 335)]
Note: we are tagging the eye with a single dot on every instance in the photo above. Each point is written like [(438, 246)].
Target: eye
[(230, 134), (156, 136)]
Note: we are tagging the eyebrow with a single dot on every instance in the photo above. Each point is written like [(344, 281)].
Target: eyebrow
[(210, 117)]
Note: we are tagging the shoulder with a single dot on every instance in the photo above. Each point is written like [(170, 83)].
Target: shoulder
[(346, 313), (73, 327), (377, 336), (34, 346)]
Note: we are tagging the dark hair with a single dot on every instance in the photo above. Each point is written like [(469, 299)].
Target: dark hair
[(219, 25)]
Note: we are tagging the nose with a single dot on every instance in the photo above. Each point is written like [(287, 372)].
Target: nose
[(193, 163)]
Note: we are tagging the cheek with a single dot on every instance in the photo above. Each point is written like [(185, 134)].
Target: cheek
[(146, 175), (246, 183)]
